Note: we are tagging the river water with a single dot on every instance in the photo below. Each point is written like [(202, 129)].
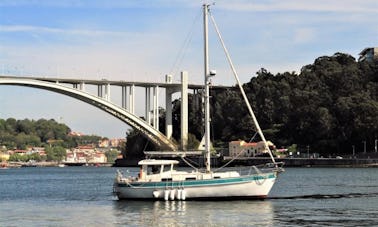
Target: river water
[(82, 196)]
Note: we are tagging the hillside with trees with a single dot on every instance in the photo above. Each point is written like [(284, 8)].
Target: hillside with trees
[(330, 106), (53, 136)]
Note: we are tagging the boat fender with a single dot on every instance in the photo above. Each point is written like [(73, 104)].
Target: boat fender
[(172, 194), (179, 194), (156, 194), (183, 194), (166, 195)]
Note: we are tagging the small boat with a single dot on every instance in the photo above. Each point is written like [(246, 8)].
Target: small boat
[(30, 163), (159, 180)]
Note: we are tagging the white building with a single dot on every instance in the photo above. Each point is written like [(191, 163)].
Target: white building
[(243, 149)]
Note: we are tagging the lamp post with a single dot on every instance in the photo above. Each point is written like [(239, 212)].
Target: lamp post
[(364, 142), (353, 150), (375, 145)]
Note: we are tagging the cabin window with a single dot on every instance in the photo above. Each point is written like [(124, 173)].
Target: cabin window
[(167, 168), (190, 178), (166, 179), (153, 169)]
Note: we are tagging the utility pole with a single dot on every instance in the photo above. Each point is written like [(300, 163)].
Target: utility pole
[(364, 142), (375, 145), (353, 151)]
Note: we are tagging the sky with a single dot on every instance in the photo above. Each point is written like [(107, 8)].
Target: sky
[(138, 40)]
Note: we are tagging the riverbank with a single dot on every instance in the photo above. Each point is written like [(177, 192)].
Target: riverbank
[(310, 162), (50, 164), (288, 162)]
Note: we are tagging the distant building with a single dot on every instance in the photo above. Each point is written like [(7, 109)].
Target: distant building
[(368, 54), (20, 152), (117, 142), (243, 149), (75, 134), (85, 154), (98, 157), (4, 156), (103, 143)]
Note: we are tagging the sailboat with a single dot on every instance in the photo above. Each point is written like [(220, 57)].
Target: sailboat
[(159, 179)]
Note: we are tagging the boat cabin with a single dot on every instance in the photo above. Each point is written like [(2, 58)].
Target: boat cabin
[(156, 170)]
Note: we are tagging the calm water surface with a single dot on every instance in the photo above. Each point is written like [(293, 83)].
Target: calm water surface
[(82, 196)]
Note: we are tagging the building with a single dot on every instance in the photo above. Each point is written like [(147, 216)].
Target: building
[(241, 148), (98, 157), (84, 155), (368, 54), (4, 156)]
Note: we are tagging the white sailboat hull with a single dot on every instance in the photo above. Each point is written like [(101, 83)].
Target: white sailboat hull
[(253, 187)]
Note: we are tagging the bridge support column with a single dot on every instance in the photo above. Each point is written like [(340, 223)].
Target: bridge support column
[(124, 97), (82, 86), (99, 91), (156, 107), (107, 92), (168, 113), (184, 110), (148, 105), (132, 99)]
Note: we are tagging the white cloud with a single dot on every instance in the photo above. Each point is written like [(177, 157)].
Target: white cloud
[(370, 6), (65, 31)]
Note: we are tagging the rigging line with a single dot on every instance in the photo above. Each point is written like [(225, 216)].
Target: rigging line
[(242, 90), (233, 159), (184, 46), (188, 163), (253, 137)]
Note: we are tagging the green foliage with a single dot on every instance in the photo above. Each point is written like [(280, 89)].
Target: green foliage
[(26, 158), (23, 133), (136, 144), (111, 155), (20, 134), (292, 149), (56, 153), (193, 142), (330, 105), (87, 139)]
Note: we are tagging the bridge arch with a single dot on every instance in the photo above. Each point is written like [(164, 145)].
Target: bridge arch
[(155, 136)]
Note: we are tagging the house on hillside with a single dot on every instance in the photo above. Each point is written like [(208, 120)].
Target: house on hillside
[(241, 148)]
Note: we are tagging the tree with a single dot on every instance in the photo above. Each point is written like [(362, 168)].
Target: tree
[(111, 155), (56, 153)]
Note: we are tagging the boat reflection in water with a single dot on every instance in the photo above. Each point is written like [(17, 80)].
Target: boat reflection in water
[(184, 213)]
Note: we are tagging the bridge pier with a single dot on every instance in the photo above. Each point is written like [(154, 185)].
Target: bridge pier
[(132, 99), (82, 86), (99, 91), (168, 113), (124, 97), (148, 105), (155, 108), (107, 92)]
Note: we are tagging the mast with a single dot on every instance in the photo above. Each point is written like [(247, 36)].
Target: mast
[(207, 93)]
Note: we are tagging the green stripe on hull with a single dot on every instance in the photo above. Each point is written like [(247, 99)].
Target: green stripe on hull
[(197, 183)]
